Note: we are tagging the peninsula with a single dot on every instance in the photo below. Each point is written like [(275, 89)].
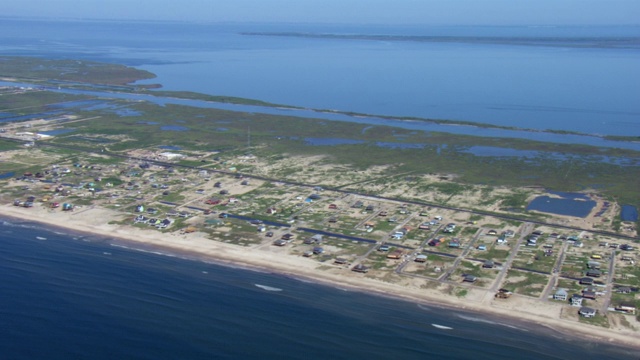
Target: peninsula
[(405, 213)]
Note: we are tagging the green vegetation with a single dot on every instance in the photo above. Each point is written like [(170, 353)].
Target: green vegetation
[(525, 283)]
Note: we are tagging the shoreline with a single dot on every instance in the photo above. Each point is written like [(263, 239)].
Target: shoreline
[(91, 221)]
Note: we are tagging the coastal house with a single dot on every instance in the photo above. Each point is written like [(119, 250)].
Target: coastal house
[(395, 255), (315, 239), (469, 278), (576, 300), (561, 295), (163, 224), (586, 281), (589, 294), (424, 226), (360, 268), (593, 273), (509, 233), (421, 258), (454, 243), (628, 308), (623, 290), (593, 265), (213, 201), (341, 261), (587, 312), (383, 248)]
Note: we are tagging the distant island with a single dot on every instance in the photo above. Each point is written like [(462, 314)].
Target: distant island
[(376, 208), (630, 42)]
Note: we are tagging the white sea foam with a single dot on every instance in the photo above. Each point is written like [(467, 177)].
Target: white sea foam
[(268, 288), (442, 327), (480, 320), (41, 238)]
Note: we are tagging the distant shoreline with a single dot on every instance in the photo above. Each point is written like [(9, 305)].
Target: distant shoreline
[(195, 247)]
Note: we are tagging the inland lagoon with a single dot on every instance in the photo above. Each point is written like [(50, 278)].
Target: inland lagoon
[(570, 204)]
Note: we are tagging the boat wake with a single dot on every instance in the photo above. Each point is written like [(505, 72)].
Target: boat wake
[(268, 288), (41, 238)]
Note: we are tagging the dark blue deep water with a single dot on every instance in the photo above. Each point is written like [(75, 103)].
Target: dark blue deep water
[(68, 296)]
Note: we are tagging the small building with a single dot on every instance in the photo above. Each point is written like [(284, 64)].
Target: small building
[(589, 294), (593, 273), (623, 290), (628, 308), (360, 268), (492, 232), (576, 300), (341, 261), (488, 264), (421, 258), (561, 295), (395, 255), (593, 265), (587, 312), (280, 242), (469, 278), (586, 281)]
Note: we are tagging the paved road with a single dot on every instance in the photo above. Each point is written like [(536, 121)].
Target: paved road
[(464, 253), (555, 273), (606, 300), (525, 230)]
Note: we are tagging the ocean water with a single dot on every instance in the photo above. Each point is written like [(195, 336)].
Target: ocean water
[(69, 296), (577, 81)]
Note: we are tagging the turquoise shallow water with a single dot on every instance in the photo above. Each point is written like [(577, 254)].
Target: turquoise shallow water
[(69, 296)]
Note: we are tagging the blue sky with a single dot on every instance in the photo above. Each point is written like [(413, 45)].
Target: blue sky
[(436, 12)]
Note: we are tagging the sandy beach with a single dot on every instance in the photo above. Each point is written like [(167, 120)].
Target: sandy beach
[(95, 220)]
